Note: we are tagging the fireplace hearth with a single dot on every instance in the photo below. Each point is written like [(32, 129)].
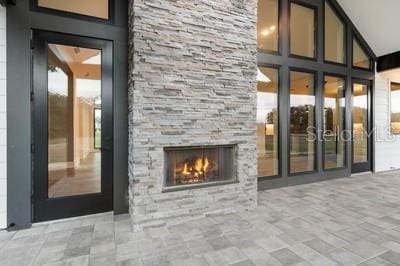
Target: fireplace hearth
[(199, 165)]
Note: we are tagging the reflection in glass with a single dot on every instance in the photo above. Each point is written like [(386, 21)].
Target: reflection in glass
[(395, 108), (267, 122), (93, 8), (334, 122), (74, 107), (302, 30), (302, 122), (360, 57), (334, 36), (360, 123), (97, 128), (267, 25)]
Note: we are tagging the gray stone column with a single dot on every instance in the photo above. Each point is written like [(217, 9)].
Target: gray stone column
[(192, 82)]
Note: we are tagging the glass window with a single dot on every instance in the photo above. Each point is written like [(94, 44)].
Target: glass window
[(267, 122), (267, 26), (334, 36), (334, 122), (360, 57), (93, 8), (302, 122), (302, 30), (360, 123), (74, 120), (395, 108)]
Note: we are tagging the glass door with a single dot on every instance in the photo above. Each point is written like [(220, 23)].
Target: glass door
[(334, 122), (361, 127), (72, 96)]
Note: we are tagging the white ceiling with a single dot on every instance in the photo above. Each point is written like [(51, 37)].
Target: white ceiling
[(378, 21)]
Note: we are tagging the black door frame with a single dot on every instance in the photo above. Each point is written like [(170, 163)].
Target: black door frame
[(364, 166), (45, 208), (21, 21)]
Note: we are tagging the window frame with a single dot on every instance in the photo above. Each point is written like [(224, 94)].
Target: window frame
[(345, 86), (318, 66), (315, 75), (370, 60), (34, 6), (369, 165), (345, 39), (316, 28), (279, 175), (390, 108), (279, 27)]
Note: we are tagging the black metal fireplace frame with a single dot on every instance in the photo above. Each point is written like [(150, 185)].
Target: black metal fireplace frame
[(232, 180)]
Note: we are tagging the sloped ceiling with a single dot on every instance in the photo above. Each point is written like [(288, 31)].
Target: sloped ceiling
[(378, 21)]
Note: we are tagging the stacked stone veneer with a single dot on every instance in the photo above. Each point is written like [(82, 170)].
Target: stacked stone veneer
[(193, 74)]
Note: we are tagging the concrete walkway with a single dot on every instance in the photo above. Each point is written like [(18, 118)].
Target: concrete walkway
[(350, 221)]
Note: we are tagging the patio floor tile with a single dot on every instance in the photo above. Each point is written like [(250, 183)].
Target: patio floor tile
[(348, 221)]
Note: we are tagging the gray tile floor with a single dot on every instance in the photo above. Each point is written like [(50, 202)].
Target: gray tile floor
[(350, 221)]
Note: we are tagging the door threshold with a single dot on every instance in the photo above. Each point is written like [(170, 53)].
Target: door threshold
[(90, 216), (362, 173)]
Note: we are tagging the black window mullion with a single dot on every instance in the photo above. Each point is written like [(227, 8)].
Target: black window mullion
[(319, 113)]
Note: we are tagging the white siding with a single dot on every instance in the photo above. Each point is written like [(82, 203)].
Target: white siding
[(3, 121), (387, 146)]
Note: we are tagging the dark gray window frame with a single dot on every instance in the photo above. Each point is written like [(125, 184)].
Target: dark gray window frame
[(278, 68), (371, 61), (310, 5), (345, 35), (279, 51), (364, 166), (344, 78), (316, 107), (21, 20), (285, 62), (110, 20)]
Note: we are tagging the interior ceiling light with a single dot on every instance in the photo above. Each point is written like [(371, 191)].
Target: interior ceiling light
[(261, 77), (268, 31), (265, 33)]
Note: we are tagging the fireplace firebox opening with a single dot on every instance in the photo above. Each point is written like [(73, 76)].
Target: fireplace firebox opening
[(200, 165)]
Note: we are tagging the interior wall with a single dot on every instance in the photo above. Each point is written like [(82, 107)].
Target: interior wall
[(83, 127), (3, 121), (387, 145)]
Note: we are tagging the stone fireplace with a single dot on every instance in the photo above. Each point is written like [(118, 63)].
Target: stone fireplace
[(188, 167), (192, 107)]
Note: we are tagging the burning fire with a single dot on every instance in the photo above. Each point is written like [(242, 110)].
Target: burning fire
[(195, 171), (200, 166)]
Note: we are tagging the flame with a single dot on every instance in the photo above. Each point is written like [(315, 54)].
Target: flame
[(195, 171), (185, 169), (206, 164), (198, 165)]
